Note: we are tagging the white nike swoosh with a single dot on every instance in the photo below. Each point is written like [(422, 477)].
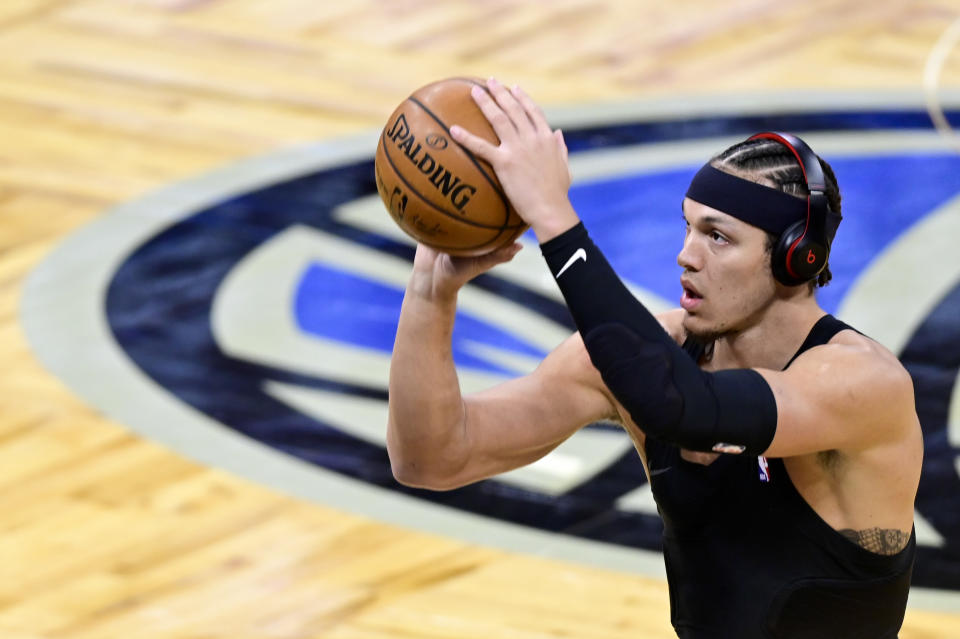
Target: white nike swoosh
[(659, 471), (579, 254)]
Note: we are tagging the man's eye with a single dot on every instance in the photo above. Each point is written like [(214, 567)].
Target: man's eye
[(717, 237)]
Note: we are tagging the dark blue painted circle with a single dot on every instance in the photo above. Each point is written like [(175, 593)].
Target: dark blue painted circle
[(159, 304)]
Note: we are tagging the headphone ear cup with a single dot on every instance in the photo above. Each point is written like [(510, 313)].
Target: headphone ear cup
[(785, 262)]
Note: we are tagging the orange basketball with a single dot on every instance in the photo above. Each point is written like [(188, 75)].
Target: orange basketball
[(437, 191)]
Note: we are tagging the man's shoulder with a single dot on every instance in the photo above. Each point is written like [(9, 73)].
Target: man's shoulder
[(861, 371), (859, 350)]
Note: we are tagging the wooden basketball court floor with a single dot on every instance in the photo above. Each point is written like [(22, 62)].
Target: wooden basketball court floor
[(104, 534)]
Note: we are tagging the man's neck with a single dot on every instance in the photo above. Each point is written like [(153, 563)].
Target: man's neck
[(773, 339)]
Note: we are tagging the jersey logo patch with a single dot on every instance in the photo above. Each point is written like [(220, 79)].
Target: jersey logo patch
[(764, 468)]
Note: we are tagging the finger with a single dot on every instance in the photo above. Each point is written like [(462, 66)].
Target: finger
[(496, 116), (558, 134), (508, 102), (473, 143), (534, 112)]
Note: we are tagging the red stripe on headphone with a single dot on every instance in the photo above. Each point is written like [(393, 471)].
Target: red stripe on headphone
[(769, 135)]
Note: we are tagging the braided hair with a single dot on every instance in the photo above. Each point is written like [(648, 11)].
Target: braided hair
[(772, 164)]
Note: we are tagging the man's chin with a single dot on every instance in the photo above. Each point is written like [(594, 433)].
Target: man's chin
[(700, 330)]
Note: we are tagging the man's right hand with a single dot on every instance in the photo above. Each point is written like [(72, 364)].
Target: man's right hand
[(439, 276)]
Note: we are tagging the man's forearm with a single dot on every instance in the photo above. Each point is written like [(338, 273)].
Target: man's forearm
[(426, 406)]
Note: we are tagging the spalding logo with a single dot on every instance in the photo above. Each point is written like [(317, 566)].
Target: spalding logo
[(450, 185), (264, 299)]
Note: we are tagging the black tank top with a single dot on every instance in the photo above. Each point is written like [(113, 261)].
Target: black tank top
[(747, 557)]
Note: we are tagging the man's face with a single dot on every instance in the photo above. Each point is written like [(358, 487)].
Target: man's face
[(727, 282)]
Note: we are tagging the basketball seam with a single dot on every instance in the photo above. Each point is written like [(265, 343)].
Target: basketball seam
[(492, 243), (473, 159)]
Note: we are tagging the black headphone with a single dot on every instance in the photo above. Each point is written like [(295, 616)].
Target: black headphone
[(801, 252)]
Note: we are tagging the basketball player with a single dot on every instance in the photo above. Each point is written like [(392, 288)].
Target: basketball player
[(782, 446)]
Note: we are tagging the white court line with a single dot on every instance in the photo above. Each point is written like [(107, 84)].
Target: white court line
[(931, 80)]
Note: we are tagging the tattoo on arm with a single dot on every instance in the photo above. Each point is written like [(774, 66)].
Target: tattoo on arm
[(887, 541)]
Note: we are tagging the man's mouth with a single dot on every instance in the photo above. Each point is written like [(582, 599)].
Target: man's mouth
[(691, 297)]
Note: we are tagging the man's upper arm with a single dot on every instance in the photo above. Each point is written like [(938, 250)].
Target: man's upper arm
[(520, 421), (840, 396)]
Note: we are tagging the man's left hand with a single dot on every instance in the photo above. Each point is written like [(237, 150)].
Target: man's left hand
[(530, 161)]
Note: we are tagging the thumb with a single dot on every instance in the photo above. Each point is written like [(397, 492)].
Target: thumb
[(502, 254), (467, 268)]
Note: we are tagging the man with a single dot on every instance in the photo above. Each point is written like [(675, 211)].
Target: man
[(782, 446)]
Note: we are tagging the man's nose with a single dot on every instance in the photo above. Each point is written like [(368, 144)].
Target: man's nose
[(688, 257)]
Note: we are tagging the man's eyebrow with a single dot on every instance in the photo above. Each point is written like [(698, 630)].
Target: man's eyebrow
[(706, 219), (712, 219)]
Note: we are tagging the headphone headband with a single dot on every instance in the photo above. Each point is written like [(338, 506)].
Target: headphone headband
[(809, 164)]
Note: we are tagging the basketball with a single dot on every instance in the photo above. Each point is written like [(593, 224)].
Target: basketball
[(437, 191)]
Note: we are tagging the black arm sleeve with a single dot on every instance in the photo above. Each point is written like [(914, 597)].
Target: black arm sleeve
[(664, 390)]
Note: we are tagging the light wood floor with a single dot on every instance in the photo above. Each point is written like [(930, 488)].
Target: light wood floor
[(105, 535)]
